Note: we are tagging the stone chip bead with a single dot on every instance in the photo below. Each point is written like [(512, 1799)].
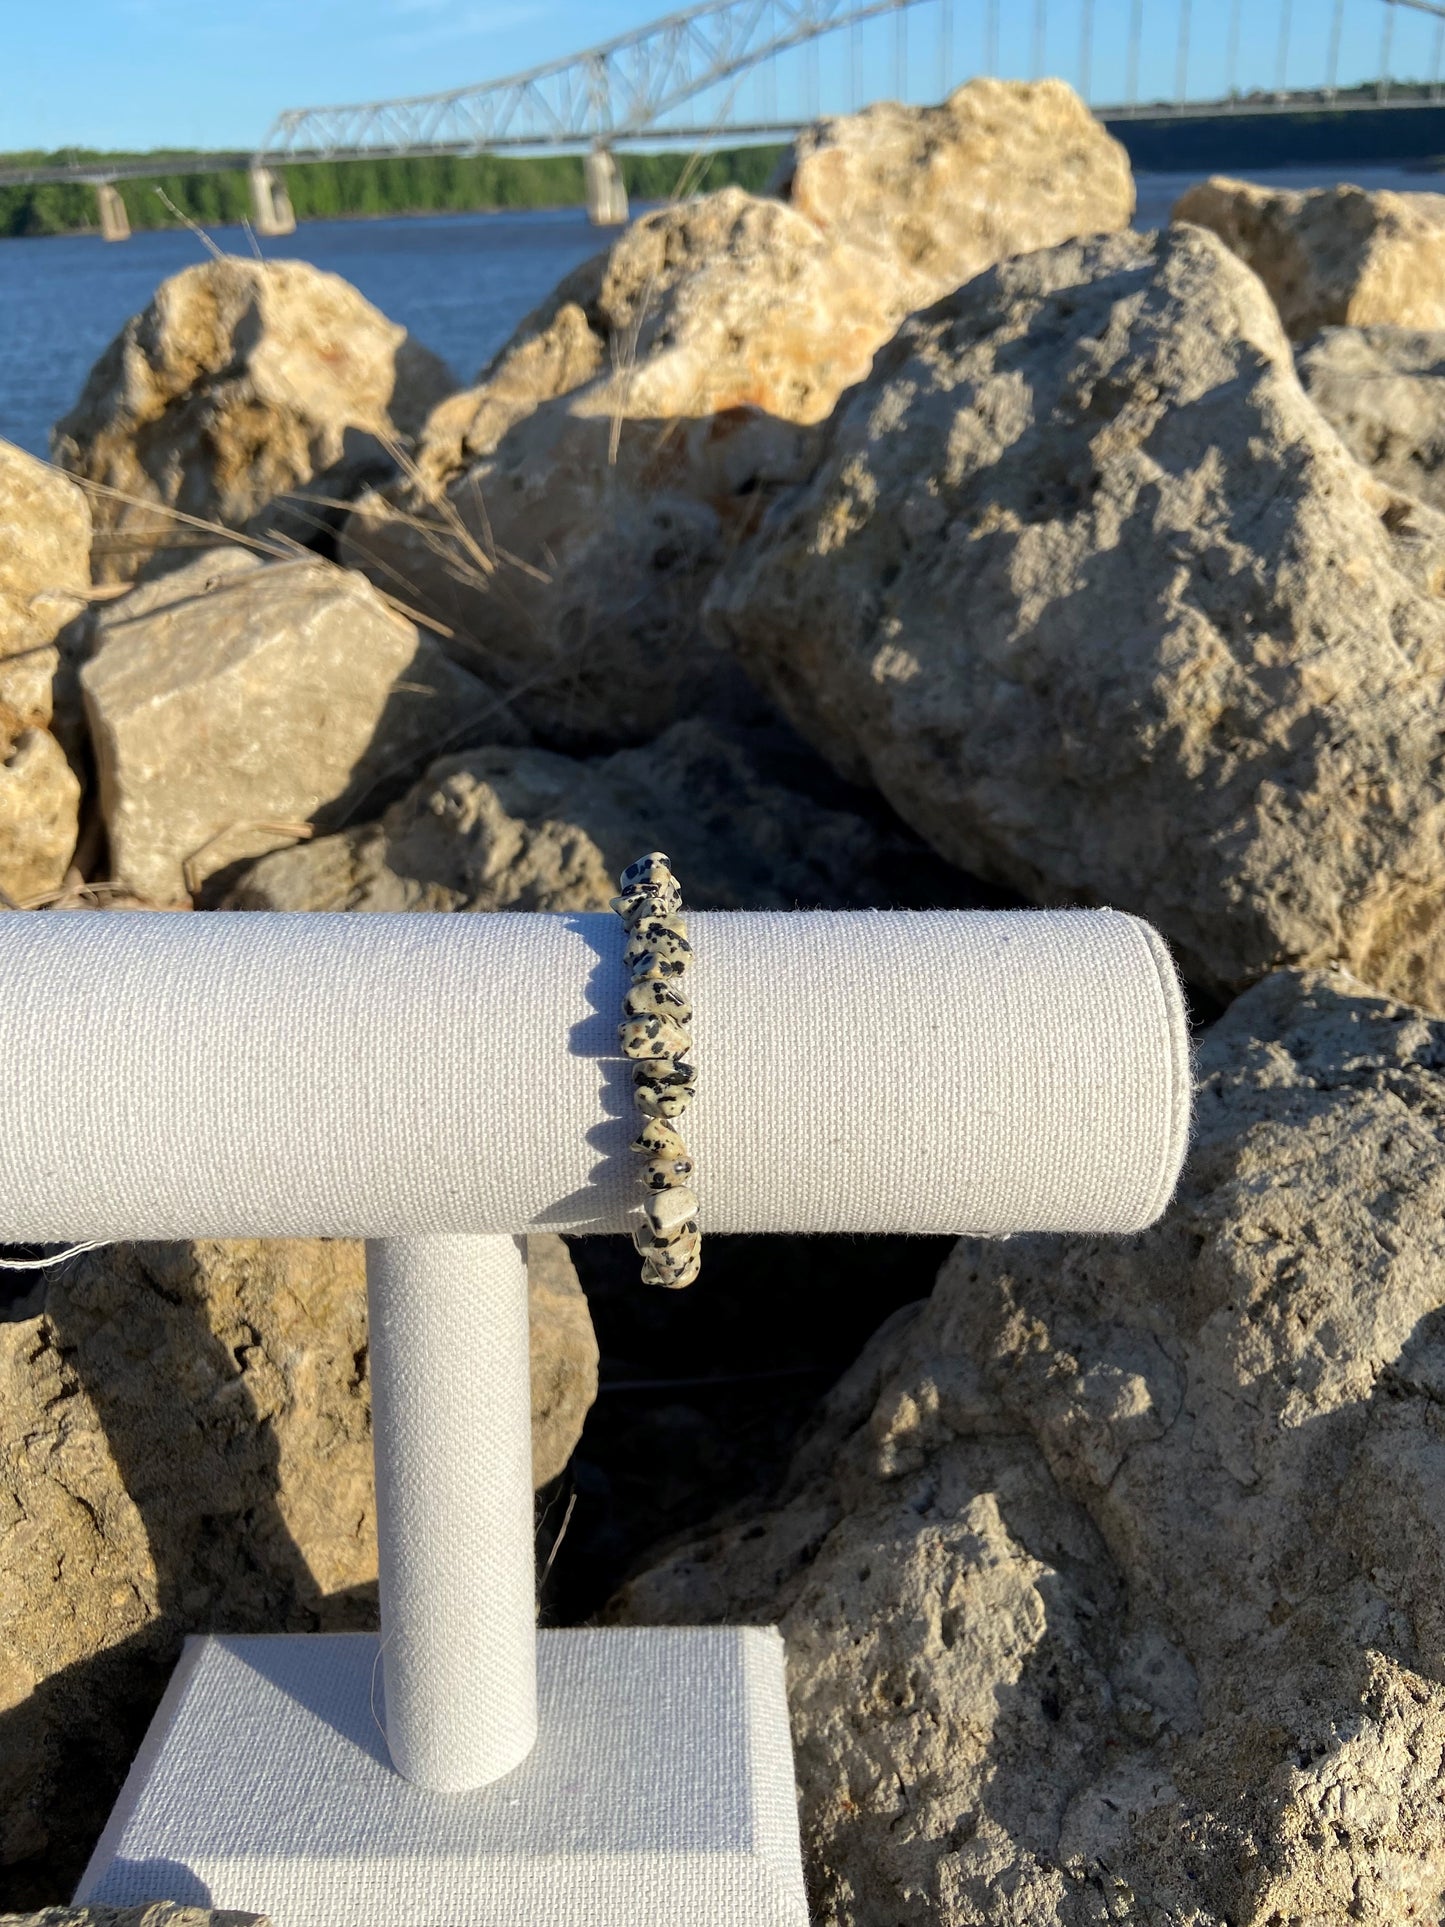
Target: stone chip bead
[(676, 1255), (654, 950), (655, 1274), (654, 901), (660, 994), (657, 1139), (668, 1208), (652, 868), (649, 1242), (659, 1173), (650, 1038), (662, 1100), (666, 1073)]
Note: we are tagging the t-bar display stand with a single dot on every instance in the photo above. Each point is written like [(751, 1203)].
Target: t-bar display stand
[(439, 1086)]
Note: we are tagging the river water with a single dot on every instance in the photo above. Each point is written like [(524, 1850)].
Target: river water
[(458, 282)]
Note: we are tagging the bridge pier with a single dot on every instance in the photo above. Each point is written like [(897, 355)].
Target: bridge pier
[(606, 194), (271, 210), (114, 221)]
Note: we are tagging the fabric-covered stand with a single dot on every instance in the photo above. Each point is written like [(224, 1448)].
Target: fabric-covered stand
[(438, 1086)]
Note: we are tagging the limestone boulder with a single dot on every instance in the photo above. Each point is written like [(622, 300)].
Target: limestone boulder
[(39, 816), (232, 704), (529, 829), (44, 577), (1111, 1577), (243, 384), (564, 534), (939, 193), (1332, 256), (185, 1446), (566, 515), (1383, 392), (1089, 588)]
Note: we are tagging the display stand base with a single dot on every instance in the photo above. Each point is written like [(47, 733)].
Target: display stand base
[(660, 1793)]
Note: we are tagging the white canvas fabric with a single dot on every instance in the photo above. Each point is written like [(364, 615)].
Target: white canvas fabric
[(283, 1075), (660, 1793), (452, 1424)]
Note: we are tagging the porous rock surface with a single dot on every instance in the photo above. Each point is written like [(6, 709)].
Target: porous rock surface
[(44, 570), (939, 193), (241, 383), (159, 1913), (1332, 255), (500, 828), (1112, 1577), (185, 1446), (1089, 588), (231, 694), (569, 512), (1383, 392)]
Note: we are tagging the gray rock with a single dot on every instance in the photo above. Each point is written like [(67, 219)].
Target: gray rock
[(229, 700), (527, 829), (1092, 592), (185, 1446), (1112, 1577), (243, 384), (1382, 390)]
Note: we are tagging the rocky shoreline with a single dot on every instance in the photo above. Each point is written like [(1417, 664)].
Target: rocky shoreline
[(941, 540)]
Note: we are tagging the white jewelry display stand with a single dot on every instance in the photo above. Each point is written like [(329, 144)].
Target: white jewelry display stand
[(439, 1086)]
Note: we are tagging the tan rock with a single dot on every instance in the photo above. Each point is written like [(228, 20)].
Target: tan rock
[(1382, 390), (568, 514), (526, 829), (44, 576), (185, 1446), (1096, 597), (1111, 1578), (39, 815), (1332, 255), (242, 383), (940, 193), (229, 696)]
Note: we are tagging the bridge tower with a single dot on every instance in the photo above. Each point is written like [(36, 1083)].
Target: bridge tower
[(606, 192), (271, 210), (114, 221)]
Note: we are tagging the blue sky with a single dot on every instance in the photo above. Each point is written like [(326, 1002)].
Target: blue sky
[(212, 73)]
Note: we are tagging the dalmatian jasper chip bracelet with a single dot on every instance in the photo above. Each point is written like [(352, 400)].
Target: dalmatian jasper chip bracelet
[(655, 1035)]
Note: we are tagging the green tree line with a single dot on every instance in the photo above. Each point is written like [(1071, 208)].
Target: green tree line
[(322, 190)]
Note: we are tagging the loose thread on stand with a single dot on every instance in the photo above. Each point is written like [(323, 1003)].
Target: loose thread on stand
[(381, 1646), (56, 1258)]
